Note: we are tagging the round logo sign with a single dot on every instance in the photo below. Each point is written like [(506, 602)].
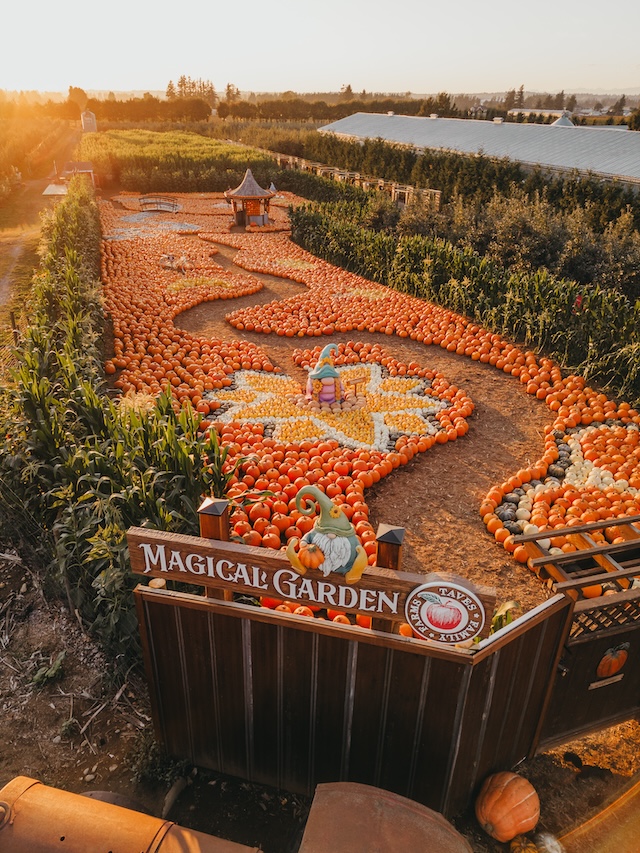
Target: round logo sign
[(445, 612)]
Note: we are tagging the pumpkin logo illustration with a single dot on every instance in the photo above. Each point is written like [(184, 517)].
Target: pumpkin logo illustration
[(613, 660)]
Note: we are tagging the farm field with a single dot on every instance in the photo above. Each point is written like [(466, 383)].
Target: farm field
[(487, 432)]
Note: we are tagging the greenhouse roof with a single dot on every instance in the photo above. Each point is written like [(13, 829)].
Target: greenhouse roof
[(607, 151)]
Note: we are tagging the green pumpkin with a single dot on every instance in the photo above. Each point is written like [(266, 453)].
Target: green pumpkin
[(522, 844)]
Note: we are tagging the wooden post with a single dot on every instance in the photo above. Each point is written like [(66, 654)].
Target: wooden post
[(389, 556), (14, 328), (390, 541), (213, 514)]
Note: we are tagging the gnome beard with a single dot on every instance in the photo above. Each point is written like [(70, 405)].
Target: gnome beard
[(336, 550)]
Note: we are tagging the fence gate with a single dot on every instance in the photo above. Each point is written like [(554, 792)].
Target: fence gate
[(598, 678)]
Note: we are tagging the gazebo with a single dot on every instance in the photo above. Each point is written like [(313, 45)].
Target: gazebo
[(250, 202)]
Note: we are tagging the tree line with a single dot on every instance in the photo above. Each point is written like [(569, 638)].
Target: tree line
[(188, 99)]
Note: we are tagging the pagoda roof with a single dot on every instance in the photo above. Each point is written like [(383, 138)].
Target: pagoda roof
[(249, 188)]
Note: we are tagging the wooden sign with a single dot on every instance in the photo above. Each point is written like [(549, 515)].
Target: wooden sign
[(262, 572)]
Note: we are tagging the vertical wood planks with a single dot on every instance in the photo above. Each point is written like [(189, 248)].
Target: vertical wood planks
[(287, 702)]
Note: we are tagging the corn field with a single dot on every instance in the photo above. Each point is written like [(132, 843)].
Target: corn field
[(592, 330), (76, 470)]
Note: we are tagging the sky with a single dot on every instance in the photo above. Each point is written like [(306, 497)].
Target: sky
[(395, 46)]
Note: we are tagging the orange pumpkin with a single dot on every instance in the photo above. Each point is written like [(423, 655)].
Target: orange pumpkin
[(310, 555), (612, 661), (507, 805)]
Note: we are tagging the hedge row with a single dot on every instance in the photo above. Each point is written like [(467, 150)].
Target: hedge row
[(473, 177)]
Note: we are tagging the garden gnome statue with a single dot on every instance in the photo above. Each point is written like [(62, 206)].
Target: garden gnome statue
[(324, 380), (331, 545)]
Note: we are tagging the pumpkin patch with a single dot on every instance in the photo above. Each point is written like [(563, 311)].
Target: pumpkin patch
[(588, 465)]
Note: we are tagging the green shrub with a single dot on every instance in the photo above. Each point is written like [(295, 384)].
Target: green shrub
[(593, 330)]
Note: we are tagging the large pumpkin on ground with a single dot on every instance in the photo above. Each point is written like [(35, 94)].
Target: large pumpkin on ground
[(507, 805)]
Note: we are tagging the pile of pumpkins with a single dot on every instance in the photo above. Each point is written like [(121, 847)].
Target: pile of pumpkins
[(508, 807)]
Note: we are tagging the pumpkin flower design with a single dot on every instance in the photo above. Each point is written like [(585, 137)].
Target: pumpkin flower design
[(384, 405)]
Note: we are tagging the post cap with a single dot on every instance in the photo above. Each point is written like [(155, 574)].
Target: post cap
[(213, 506), (390, 534)]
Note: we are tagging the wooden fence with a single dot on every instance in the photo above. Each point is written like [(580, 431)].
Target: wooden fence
[(400, 193), (291, 702)]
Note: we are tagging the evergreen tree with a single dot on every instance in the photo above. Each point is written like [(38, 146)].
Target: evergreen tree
[(510, 100), (209, 94), (444, 105), (171, 91), (231, 93), (618, 107), (346, 92)]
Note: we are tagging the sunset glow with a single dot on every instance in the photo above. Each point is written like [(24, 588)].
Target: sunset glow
[(259, 47)]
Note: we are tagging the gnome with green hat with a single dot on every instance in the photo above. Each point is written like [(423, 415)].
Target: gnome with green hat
[(332, 534)]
